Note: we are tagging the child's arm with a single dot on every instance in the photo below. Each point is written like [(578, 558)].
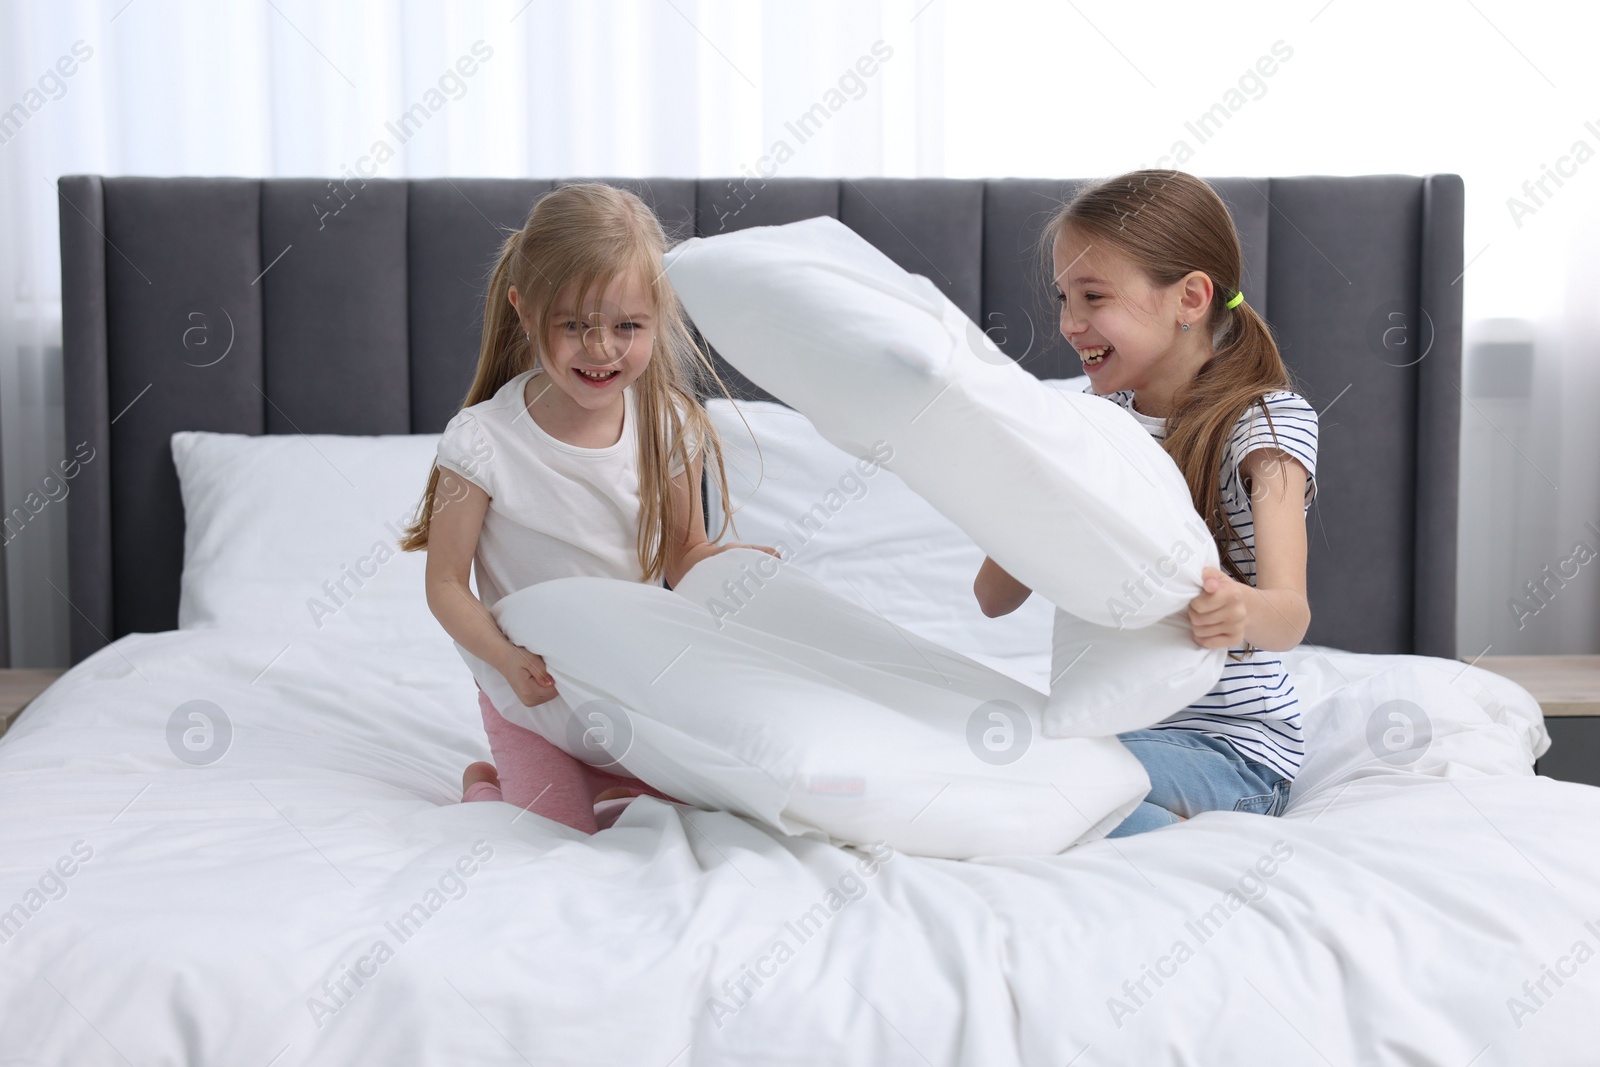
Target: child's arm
[(690, 546), (998, 593), (1273, 615), (452, 540)]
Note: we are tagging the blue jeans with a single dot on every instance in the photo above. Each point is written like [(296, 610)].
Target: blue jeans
[(1190, 773)]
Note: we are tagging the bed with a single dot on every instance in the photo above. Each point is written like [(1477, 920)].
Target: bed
[(304, 888)]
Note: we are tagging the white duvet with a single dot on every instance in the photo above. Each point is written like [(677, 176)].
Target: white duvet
[(316, 896)]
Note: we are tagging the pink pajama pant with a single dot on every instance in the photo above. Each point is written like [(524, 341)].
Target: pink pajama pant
[(539, 777)]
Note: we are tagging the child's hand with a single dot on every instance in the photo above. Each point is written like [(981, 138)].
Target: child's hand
[(527, 675), (1217, 616)]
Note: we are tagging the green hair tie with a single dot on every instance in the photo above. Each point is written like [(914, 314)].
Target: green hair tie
[(1235, 300)]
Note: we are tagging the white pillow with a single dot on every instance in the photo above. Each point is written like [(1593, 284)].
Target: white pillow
[(859, 530), (297, 533), (1065, 491), (809, 713)]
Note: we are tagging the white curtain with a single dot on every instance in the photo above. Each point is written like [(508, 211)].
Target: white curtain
[(960, 88)]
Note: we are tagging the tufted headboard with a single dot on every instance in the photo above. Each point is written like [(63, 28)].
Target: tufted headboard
[(352, 307)]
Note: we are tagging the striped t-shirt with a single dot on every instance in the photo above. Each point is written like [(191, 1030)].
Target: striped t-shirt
[(1253, 705)]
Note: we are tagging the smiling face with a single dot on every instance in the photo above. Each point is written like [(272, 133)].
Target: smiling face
[(1122, 327), (592, 354)]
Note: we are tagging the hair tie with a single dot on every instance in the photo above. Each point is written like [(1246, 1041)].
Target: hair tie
[(1236, 299)]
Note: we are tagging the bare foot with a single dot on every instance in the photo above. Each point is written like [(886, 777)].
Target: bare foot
[(479, 772), (616, 793)]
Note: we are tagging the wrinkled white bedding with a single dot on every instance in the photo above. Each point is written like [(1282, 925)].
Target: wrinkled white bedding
[(1391, 917)]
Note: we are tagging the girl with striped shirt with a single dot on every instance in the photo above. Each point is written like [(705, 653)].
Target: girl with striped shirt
[(1146, 269)]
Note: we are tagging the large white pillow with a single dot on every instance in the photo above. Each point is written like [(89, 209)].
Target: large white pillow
[(796, 707), (859, 530), (297, 533), (1065, 491)]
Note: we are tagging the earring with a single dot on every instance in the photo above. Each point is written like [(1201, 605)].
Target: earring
[(1183, 326)]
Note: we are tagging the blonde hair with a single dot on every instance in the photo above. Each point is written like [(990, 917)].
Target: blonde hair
[(1168, 223), (583, 236)]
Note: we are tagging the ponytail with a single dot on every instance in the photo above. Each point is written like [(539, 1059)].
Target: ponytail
[(1244, 369), (504, 352)]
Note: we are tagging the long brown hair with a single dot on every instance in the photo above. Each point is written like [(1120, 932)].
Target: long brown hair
[(1169, 223), (585, 235)]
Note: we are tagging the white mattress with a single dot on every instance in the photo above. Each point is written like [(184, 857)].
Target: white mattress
[(1414, 903)]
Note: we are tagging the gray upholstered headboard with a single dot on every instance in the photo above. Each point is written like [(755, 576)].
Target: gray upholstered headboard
[(355, 308)]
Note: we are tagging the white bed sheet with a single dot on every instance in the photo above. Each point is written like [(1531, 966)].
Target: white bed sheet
[(1414, 902)]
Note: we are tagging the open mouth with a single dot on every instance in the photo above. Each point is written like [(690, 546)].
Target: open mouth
[(1094, 356), (597, 379)]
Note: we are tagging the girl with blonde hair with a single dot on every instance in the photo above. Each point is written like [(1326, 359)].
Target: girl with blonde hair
[(578, 451)]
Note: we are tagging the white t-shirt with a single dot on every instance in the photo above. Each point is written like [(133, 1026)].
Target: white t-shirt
[(555, 510)]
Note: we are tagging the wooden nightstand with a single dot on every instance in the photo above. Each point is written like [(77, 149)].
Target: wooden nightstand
[(19, 687), (1568, 689)]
